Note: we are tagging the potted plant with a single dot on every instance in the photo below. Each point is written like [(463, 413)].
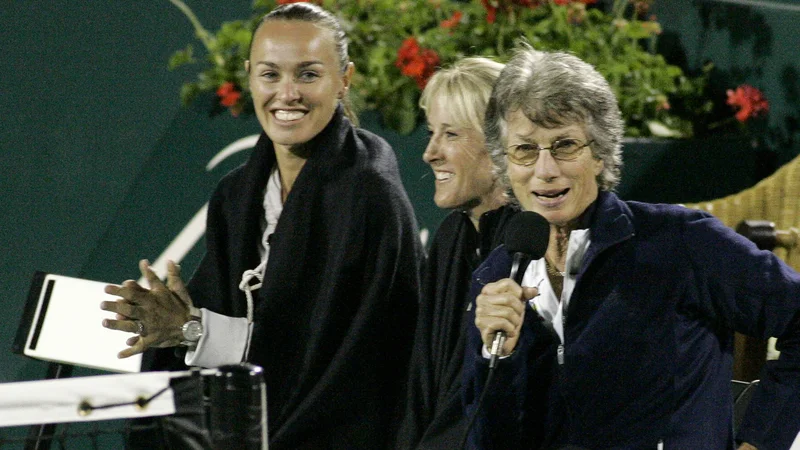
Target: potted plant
[(396, 46)]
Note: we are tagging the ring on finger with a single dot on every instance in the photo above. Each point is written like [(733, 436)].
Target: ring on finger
[(140, 328)]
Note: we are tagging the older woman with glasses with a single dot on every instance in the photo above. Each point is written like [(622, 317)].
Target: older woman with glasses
[(621, 336)]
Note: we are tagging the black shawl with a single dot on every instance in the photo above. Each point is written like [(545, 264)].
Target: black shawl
[(433, 416), (334, 319)]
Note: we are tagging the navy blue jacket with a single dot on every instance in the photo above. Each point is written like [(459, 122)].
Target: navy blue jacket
[(649, 335)]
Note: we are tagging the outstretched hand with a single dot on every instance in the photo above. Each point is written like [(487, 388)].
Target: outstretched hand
[(155, 315)]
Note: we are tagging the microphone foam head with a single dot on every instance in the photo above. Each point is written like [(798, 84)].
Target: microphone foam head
[(527, 233)]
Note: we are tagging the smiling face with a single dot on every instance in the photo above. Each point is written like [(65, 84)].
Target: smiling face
[(295, 80), (558, 190), (460, 163)]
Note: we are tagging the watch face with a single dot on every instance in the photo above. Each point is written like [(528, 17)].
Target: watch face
[(192, 330)]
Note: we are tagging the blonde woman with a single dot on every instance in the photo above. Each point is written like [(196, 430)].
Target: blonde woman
[(454, 102)]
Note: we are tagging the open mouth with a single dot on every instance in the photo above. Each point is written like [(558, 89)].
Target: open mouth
[(443, 176), (289, 115), (551, 194)]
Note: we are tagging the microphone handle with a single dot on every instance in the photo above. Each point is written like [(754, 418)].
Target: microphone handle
[(497, 344), (500, 336)]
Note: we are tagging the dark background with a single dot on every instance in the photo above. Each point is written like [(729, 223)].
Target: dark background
[(101, 165)]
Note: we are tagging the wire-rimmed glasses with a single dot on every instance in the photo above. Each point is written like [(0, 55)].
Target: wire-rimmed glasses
[(527, 154)]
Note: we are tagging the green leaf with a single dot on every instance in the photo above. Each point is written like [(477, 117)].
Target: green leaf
[(181, 57), (619, 46), (188, 92)]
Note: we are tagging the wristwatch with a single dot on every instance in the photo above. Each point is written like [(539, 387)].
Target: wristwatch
[(192, 331)]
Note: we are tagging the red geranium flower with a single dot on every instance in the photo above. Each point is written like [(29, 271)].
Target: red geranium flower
[(416, 62), (453, 21), (414, 68), (748, 102), (409, 49), (228, 94), (491, 11), (431, 59)]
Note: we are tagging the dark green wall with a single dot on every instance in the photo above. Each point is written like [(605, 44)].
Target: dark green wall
[(748, 41), (85, 96), (101, 165)]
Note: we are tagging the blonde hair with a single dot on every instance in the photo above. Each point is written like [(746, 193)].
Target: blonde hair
[(464, 88)]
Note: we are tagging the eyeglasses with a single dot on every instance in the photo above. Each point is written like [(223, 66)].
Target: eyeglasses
[(527, 154)]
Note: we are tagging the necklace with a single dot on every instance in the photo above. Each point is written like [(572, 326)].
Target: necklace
[(551, 269), (556, 278)]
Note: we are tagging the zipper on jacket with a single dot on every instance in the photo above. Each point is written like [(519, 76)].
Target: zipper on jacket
[(660, 445), (560, 350)]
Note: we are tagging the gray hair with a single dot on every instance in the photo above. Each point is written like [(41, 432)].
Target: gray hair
[(554, 89)]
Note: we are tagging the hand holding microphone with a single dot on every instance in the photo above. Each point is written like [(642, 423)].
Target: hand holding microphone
[(500, 308), (499, 315)]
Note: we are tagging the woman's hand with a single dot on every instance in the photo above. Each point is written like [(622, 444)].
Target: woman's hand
[(155, 314), (501, 307)]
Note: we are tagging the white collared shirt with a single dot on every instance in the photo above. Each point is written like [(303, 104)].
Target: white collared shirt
[(548, 304), (225, 339)]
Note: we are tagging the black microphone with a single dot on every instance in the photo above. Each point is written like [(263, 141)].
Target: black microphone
[(527, 235)]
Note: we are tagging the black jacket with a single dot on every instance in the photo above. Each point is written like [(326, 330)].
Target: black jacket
[(334, 318), (433, 417)]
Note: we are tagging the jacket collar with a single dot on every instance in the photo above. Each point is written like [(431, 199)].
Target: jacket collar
[(611, 223)]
